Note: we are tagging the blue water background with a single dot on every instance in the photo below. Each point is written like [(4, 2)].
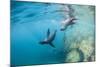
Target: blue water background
[(29, 24)]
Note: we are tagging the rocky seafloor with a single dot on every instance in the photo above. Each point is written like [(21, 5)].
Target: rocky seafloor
[(80, 43)]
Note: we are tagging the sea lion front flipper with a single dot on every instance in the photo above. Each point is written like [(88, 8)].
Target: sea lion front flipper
[(52, 45), (48, 33)]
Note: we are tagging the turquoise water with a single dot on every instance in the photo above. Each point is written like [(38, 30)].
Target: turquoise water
[(29, 24)]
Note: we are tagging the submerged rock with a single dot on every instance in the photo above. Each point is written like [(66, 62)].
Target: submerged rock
[(81, 36)]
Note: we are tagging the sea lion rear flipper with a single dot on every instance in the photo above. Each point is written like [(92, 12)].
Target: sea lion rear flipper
[(52, 45), (48, 32)]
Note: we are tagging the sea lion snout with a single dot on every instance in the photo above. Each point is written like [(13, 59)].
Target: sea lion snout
[(62, 28)]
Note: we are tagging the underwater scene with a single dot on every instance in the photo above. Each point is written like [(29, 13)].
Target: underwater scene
[(51, 33)]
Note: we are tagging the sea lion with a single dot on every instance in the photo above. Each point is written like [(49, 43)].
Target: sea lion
[(67, 22), (49, 39)]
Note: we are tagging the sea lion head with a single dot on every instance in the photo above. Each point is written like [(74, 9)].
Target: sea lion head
[(63, 27)]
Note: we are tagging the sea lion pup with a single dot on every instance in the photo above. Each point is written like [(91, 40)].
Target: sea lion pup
[(49, 39), (67, 22)]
